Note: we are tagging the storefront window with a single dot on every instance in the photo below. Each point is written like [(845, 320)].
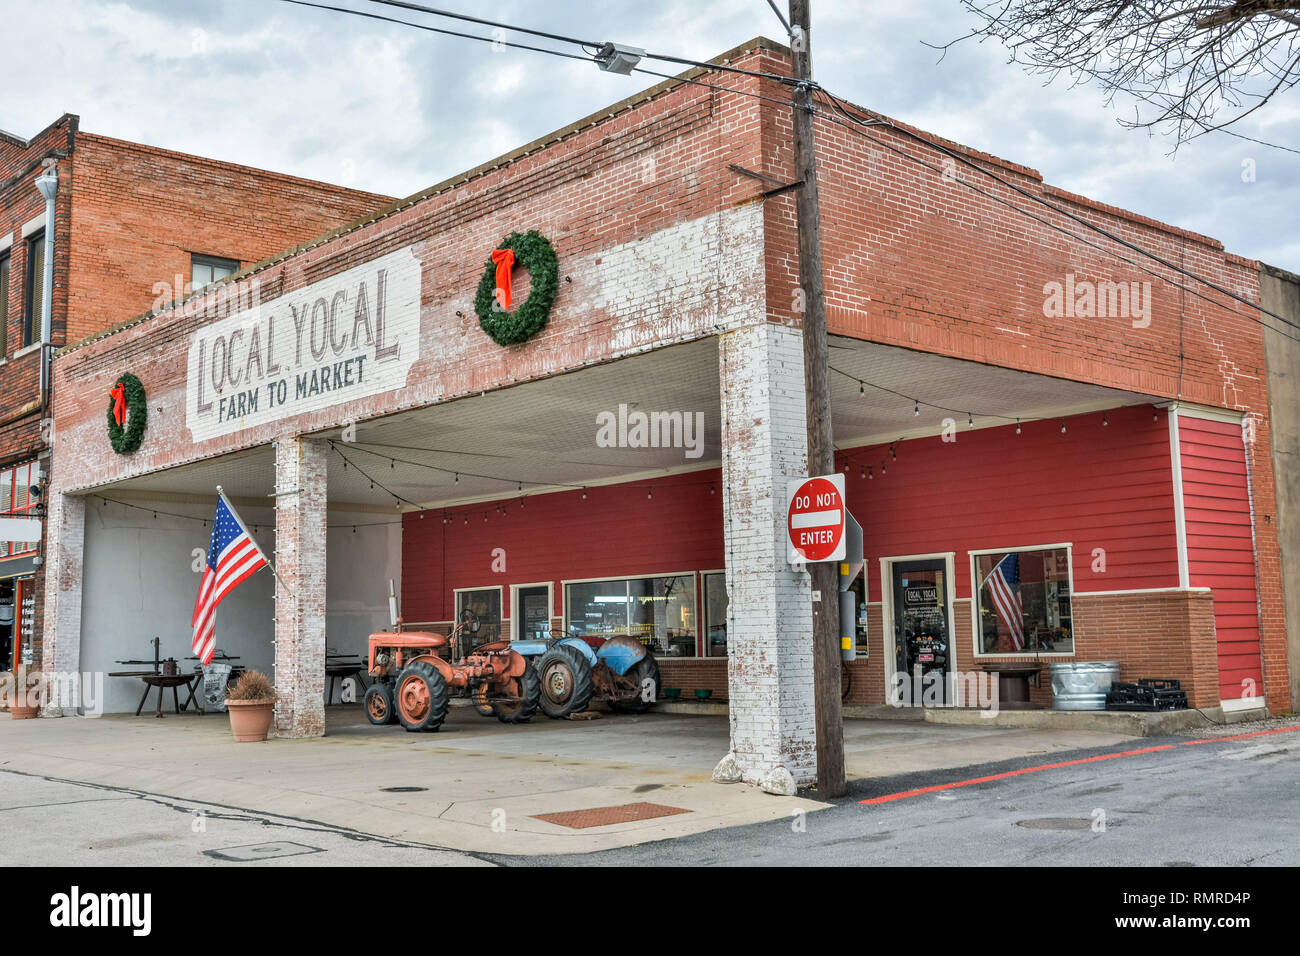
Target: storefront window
[(659, 612), (485, 603), (715, 614), (17, 501), (1024, 602)]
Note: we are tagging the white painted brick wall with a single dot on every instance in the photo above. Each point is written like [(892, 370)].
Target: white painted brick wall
[(300, 481), (64, 554), (769, 628)]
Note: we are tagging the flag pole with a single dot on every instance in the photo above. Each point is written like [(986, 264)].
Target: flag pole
[(269, 563)]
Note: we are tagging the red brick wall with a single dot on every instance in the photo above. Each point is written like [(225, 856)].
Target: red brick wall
[(140, 212)]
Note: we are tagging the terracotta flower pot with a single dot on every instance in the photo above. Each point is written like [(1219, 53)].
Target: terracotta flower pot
[(250, 719), (24, 712)]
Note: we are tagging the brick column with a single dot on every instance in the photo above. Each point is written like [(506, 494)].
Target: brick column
[(65, 537), (769, 619), (300, 480)]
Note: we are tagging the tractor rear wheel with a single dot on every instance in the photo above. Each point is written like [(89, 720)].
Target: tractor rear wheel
[(529, 688), (379, 704), (645, 673), (420, 697), (565, 677)]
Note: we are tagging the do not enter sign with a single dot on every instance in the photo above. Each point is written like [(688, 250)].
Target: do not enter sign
[(815, 518)]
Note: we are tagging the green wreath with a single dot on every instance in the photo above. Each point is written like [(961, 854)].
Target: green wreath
[(534, 252), (126, 440)]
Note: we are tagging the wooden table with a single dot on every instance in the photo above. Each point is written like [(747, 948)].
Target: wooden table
[(162, 682)]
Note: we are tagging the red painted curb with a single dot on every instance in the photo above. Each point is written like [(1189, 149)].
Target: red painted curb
[(903, 794)]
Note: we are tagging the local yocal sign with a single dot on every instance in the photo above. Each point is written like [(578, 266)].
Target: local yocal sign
[(352, 335)]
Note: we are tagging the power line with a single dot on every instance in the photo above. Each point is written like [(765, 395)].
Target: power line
[(451, 33), (434, 11), (488, 23)]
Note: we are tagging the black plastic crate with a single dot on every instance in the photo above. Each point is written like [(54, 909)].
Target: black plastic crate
[(1160, 683), (1122, 696)]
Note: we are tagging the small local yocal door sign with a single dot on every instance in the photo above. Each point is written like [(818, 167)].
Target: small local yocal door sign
[(815, 519), (352, 335)]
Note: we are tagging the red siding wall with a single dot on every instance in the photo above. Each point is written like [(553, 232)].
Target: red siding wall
[(1096, 486), (1221, 546), (615, 532)]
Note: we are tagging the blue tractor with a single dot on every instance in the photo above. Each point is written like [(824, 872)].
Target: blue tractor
[(574, 671)]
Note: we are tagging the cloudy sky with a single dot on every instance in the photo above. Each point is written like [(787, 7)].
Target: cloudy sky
[(394, 109)]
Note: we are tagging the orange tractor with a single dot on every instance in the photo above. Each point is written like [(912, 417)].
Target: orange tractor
[(416, 673)]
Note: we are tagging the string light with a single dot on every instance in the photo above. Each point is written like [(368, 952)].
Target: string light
[(862, 389), (970, 420), (584, 494), (916, 407), (650, 492), (1104, 420), (1062, 426), (892, 454), (864, 472), (1017, 426), (871, 475)]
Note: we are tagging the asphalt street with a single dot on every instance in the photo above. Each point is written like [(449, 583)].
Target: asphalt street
[(1224, 803), (1155, 801)]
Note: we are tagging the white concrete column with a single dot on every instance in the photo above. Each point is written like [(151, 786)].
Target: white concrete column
[(65, 539), (300, 482), (769, 620)]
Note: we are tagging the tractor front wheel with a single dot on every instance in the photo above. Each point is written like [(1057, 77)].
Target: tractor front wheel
[(420, 697), (645, 673), (527, 688), (379, 704), (565, 677)]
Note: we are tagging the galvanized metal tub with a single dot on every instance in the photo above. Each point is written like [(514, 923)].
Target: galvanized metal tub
[(1082, 685)]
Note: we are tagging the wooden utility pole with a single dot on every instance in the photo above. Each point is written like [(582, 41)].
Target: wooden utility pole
[(821, 440)]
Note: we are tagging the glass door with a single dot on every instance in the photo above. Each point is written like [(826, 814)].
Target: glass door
[(533, 622), (922, 631)]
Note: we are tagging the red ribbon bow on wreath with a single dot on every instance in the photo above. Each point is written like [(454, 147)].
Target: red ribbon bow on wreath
[(118, 392), (505, 261)]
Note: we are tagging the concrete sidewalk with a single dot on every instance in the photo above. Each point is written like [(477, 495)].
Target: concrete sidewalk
[(477, 785)]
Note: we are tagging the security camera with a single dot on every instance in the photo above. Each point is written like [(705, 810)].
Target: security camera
[(34, 491)]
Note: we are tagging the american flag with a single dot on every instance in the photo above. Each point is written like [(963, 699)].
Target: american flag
[(1004, 586), (233, 556)]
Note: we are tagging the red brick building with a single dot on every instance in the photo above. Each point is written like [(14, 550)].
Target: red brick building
[(134, 227), (1013, 401)]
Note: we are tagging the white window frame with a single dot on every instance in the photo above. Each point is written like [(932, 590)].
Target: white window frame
[(887, 609), (455, 604), (514, 602), (703, 640), (693, 575), (1068, 546)]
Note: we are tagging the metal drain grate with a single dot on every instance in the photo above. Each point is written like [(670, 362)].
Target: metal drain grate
[(607, 816), (1056, 823), (261, 851)]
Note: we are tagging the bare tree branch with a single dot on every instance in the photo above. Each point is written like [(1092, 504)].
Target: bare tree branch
[(1190, 66)]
